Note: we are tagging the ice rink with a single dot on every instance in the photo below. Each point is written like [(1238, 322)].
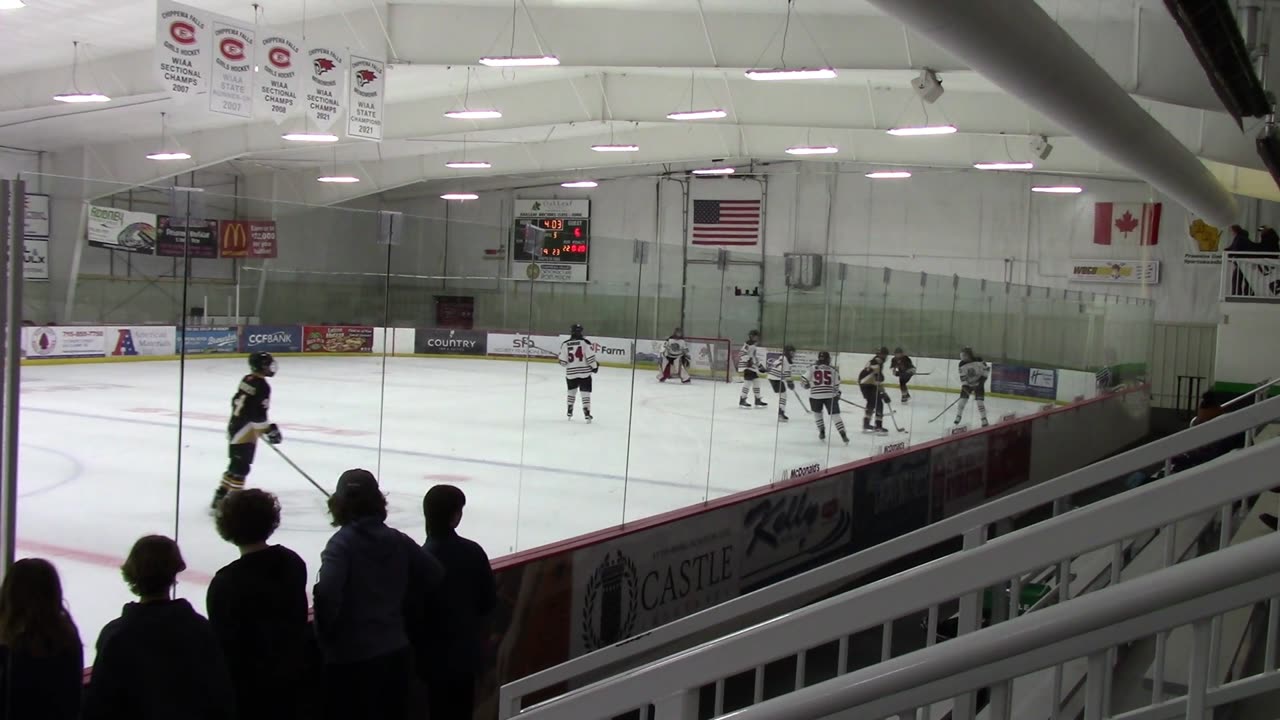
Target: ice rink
[(100, 454)]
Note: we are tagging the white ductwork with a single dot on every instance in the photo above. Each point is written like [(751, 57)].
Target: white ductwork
[(1017, 46)]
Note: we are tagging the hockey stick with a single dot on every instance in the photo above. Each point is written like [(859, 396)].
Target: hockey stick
[(945, 409), (294, 465), (796, 392)]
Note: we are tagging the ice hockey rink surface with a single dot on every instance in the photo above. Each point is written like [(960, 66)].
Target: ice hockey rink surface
[(99, 454)]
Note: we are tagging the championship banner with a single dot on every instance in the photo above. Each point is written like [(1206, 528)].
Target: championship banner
[(182, 49), (279, 80), (364, 106), (1117, 272), (186, 237), (117, 229), (323, 85), (231, 84), (247, 239)]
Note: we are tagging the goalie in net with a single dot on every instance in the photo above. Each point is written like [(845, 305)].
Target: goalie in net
[(691, 358)]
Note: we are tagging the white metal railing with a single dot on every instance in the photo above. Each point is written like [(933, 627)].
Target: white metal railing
[(672, 685), (1250, 276), (1263, 388), (806, 587)]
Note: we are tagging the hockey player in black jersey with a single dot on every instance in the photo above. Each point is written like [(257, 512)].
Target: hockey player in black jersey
[(578, 359), (904, 370), (973, 381), (870, 381), (749, 366), (248, 422)]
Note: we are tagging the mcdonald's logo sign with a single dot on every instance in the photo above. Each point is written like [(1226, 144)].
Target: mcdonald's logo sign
[(247, 238)]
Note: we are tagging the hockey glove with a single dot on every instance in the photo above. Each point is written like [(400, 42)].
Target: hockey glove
[(273, 435), (791, 385), (595, 370)]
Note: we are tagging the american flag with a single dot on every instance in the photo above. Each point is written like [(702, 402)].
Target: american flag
[(726, 222)]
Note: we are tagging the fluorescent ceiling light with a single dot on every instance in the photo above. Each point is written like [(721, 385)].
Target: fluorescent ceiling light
[(179, 155), (792, 74), (473, 114), (813, 150), (715, 171), (1004, 165), (1058, 189), (580, 184), (697, 115), (310, 137), (12, 4), (889, 175), (922, 130), (459, 196), (343, 179), (469, 165), (521, 61), (80, 97), (615, 148)]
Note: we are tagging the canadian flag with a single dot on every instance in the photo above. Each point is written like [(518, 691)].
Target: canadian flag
[(1126, 223)]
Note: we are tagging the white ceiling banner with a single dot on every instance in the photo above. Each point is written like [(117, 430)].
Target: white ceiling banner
[(364, 107), (279, 81), (231, 84), (324, 85), (182, 49)]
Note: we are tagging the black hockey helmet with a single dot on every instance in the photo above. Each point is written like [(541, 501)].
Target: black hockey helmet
[(824, 357), (788, 351), (883, 351), (575, 330), (677, 333), (966, 353), (899, 351), (753, 336), (262, 363)]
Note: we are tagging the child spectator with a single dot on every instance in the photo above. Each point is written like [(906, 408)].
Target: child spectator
[(258, 609), (159, 660), (41, 657)]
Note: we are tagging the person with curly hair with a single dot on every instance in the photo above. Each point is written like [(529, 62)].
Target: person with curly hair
[(41, 657), (159, 660), (370, 575), (258, 608)]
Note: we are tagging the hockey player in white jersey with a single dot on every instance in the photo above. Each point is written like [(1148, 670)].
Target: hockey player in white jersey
[(675, 357), (973, 381), (579, 362), (823, 382), (780, 378), (749, 366)]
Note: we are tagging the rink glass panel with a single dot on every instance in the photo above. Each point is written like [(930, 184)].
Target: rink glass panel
[(103, 463)]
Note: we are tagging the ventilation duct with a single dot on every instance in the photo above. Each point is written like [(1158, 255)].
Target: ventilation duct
[(1214, 35), (1016, 45)]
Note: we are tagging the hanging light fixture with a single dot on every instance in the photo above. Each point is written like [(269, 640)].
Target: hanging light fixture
[(691, 113), (611, 146), (460, 196), (337, 177), (577, 184), (77, 95), (1004, 165), (464, 163), (714, 171), (921, 130), (783, 72), (466, 113), (12, 4), (1058, 189), (166, 151), (889, 175), (314, 137), (813, 150), (542, 59)]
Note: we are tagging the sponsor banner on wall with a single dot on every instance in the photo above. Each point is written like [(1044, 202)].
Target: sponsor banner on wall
[(231, 79), (182, 49), (891, 498), (364, 106), (65, 342), (141, 340), (549, 272), (1023, 381), (322, 84), (35, 259), (448, 341), (279, 80), (35, 219), (1116, 272), (210, 340), (608, 350), (552, 208), (247, 239), (637, 582), (271, 338), (116, 229), (175, 236), (1205, 243), (957, 476), (337, 339), (1008, 457), (785, 532), (523, 345)]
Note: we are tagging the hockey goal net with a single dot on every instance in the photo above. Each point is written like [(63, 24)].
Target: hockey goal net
[(711, 358)]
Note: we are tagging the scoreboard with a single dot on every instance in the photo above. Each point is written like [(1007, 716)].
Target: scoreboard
[(551, 240)]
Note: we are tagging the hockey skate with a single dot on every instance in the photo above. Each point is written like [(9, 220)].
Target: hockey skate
[(782, 417), (742, 402), (866, 425), (586, 415), (822, 435), (685, 382), (845, 437), (956, 421), (570, 415), (984, 422), (879, 429), (761, 404), (218, 494), (906, 398)]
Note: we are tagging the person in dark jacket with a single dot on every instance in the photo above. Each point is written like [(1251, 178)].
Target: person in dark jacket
[(41, 657), (1268, 241), (1240, 242), (258, 609), (361, 597), (159, 660), (452, 651)]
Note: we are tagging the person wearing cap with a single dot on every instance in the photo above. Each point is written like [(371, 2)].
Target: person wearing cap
[(367, 574)]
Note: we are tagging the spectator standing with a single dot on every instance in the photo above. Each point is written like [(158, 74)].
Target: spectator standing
[(367, 571), (159, 660), (258, 609), (41, 657), (451, 651), (1268, 240), (1240, 242)]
